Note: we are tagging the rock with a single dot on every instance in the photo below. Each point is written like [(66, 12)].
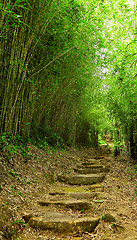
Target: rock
[(98, 190), (90, 162), (92, 169), (108, 218), (82, 179), (73, 204), (96, 166), (96, 186), (62, 178), (82, 195), (86, 224), (75, 195), (52, 221), (86, 179), (99, 157), (63, 223)]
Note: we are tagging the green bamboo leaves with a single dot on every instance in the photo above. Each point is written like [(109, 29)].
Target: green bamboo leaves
[(44, 60), (62, 64)]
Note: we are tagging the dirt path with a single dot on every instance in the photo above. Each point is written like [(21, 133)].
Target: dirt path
[(117, 198)]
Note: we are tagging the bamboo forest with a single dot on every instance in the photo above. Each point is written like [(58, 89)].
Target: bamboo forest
[(68, 119)]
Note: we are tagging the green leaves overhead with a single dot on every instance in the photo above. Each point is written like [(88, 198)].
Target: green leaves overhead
[(67, 65), (120, 65)]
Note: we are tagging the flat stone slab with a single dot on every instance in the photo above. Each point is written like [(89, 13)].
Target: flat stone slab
[(73, 204), (82, 179), (91, 159), (86, 224), (99, 157), (63, 223), (98, 190), (96, 187), (82, 195), (90, 166), (96, 166), (90, 162), (76, 195), (92, 169)]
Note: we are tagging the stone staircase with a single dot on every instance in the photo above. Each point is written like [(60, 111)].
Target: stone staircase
[(76, 192)]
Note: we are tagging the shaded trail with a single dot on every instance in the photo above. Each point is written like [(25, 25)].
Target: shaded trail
[(91, 197), (88, 203), (90, 174)]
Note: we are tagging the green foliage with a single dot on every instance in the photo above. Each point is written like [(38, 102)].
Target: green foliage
[(68, 73), (100, 140), (4, 140), (135, 167), (46, 71), (117, 60), (10, 146), (54, 139)]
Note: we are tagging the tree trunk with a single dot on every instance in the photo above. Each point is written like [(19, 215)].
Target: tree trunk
[(116, 150), (132, 152)]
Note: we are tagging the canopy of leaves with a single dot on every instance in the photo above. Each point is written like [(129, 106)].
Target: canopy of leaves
[(68, 68)]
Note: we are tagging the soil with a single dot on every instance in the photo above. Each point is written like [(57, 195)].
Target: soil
[(24, 183)]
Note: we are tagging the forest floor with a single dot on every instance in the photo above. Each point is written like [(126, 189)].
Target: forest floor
[(24, 182)]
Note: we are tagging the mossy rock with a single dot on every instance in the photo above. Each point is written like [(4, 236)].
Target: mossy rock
[(63, 223), (82, 179), (73, 204)]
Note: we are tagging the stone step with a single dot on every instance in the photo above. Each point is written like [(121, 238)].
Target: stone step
[(75, 195), (83, 195), (73, 204), (63, 223), (97, 165), (89, 170), (96, 188), (90, 166), (100, 157), (82, 179), (90, 162), (99, 190), (94, 169)]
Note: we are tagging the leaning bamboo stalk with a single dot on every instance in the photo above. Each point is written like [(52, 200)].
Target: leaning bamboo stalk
[(54, 59)]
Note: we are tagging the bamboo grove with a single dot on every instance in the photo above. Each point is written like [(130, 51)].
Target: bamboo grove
[(68, 70), (42, 71)]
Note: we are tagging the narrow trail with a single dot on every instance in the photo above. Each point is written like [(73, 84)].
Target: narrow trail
[(71, 195), (89, 172), (90, 202)]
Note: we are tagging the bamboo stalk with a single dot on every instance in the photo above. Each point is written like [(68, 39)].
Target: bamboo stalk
[(17, 95)]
